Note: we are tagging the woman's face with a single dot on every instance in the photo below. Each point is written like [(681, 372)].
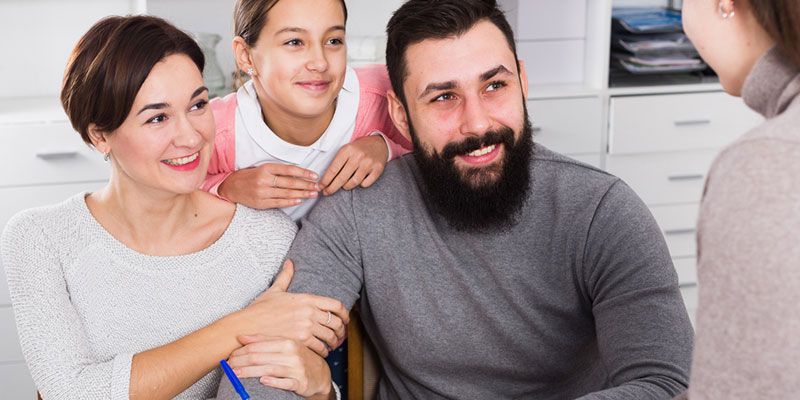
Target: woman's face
[(300, 56), (729, 45), (165, 142)]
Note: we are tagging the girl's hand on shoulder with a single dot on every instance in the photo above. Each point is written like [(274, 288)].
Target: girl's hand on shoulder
[(319, 323), (270, 186), (283, 364), (359, 163)]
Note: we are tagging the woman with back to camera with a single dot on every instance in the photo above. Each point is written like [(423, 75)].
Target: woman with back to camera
[(748, 324), (139, 289)]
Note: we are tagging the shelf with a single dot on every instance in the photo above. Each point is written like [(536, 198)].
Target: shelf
[(664, 89), (31, 110), (559, 91)]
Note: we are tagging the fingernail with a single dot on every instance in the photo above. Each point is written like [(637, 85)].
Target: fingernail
[(314, 176), (237, 371), (297, 201), (312, 194)]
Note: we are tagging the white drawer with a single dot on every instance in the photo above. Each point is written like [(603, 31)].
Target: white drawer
[(661, 179), (47, 153), (687, 271), (552, 62), (9, 340), (548, 19), (568, 126), (16, 382), (641, 124), (15, 199), (679, 225)]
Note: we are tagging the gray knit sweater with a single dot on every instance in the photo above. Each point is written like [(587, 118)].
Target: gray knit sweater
[(748, 323), (85, 303)]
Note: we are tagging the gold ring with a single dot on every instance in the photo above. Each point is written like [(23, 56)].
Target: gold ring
[(275, 181)]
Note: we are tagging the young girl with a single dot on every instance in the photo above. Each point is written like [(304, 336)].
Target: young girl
[(305, 122)]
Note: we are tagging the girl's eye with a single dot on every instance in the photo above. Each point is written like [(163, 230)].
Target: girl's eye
[(443, 97), (294, 42), (157, 119), (495, 86), (336, 42), (199, 105)]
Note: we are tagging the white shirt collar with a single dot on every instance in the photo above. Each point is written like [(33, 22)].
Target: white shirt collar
[(342, 123)]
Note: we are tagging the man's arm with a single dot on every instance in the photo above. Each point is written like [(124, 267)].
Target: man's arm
[(327, 256), (643, 330)]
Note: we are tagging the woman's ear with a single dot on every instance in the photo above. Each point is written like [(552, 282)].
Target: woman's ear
[(244, 60), (398, 114), (98, 138)]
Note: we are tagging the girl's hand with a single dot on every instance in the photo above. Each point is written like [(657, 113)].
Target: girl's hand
[(270, 186), (317, 322), (358, 163), (283, 364)]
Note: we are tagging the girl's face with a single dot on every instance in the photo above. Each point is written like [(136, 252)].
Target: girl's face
[(300, 57), (165, 142)]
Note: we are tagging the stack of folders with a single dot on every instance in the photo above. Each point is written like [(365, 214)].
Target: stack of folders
[(651, 41)]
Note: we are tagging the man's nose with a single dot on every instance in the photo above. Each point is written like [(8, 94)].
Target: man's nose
[(475, 117)]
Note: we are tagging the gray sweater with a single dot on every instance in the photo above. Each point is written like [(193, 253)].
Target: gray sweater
[(578, 300), (748, 323), (85, 303)]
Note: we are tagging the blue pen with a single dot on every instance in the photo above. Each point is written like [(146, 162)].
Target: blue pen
[(237, 385)]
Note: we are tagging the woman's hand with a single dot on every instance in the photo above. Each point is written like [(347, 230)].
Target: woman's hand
[(283, 364), (270, 186), (358, 163), (317, 322)]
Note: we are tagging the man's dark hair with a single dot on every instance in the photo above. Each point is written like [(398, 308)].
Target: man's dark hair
[(418, 20)]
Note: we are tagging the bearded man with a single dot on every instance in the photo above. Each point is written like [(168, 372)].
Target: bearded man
[(488, 266)]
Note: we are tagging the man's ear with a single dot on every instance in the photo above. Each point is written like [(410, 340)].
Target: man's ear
[(241, 52), (398, 114), (523, 78), (98, 139)]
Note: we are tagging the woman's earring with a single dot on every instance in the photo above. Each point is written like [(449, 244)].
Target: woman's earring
[(251, 71), (107, 156), (726, 13)]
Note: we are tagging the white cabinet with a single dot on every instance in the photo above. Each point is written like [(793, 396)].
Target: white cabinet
[(568, 126)]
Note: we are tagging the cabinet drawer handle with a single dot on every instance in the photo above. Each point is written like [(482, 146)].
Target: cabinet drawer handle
[(55, 154), (536, 128), (688, 177), (680, 231), (692, 122), (687, 285)]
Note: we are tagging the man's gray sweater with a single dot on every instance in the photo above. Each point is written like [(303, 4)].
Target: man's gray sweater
[(578, 300)]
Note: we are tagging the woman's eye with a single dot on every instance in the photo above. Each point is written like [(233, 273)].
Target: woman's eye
[(495, 86), (199, 105), (157, 119), (336, 42), (294, 42)]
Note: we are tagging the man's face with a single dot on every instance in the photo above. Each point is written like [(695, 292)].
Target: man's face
[(457, 90), (466, 114)]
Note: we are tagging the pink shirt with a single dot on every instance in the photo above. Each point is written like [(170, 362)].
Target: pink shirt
[(372, 116)]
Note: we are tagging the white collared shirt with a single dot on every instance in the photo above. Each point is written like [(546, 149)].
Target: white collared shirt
[(257, 144)]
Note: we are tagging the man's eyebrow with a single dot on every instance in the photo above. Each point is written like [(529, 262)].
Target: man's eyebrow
[(436, 86), (500, 69)]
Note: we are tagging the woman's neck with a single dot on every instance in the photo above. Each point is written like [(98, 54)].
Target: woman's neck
[(147, 220), (293, 128)]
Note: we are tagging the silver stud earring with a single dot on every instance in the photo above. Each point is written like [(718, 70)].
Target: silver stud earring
[(251, 71), (107, 156), (726, 13)]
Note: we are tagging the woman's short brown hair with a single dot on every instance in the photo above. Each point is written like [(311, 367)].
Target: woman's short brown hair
[(111, 62)]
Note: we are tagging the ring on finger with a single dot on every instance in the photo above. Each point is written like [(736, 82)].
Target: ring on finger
[(275, 181), (328, 321)]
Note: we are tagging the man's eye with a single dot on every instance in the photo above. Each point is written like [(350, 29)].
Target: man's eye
[(495, 86), (294, 42), (444, 97)]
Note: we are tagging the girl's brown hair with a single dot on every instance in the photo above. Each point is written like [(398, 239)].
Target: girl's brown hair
[(111, 62), (249, 18), (781, 20)]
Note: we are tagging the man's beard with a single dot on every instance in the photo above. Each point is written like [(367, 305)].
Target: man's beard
[(479, 199)]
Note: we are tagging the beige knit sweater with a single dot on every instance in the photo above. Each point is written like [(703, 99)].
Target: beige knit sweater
[(747, 342)]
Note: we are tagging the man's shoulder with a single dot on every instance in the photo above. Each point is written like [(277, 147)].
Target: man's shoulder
[(557, 171)]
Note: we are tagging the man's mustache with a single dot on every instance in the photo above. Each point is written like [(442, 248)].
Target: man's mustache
[(503, 135)]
